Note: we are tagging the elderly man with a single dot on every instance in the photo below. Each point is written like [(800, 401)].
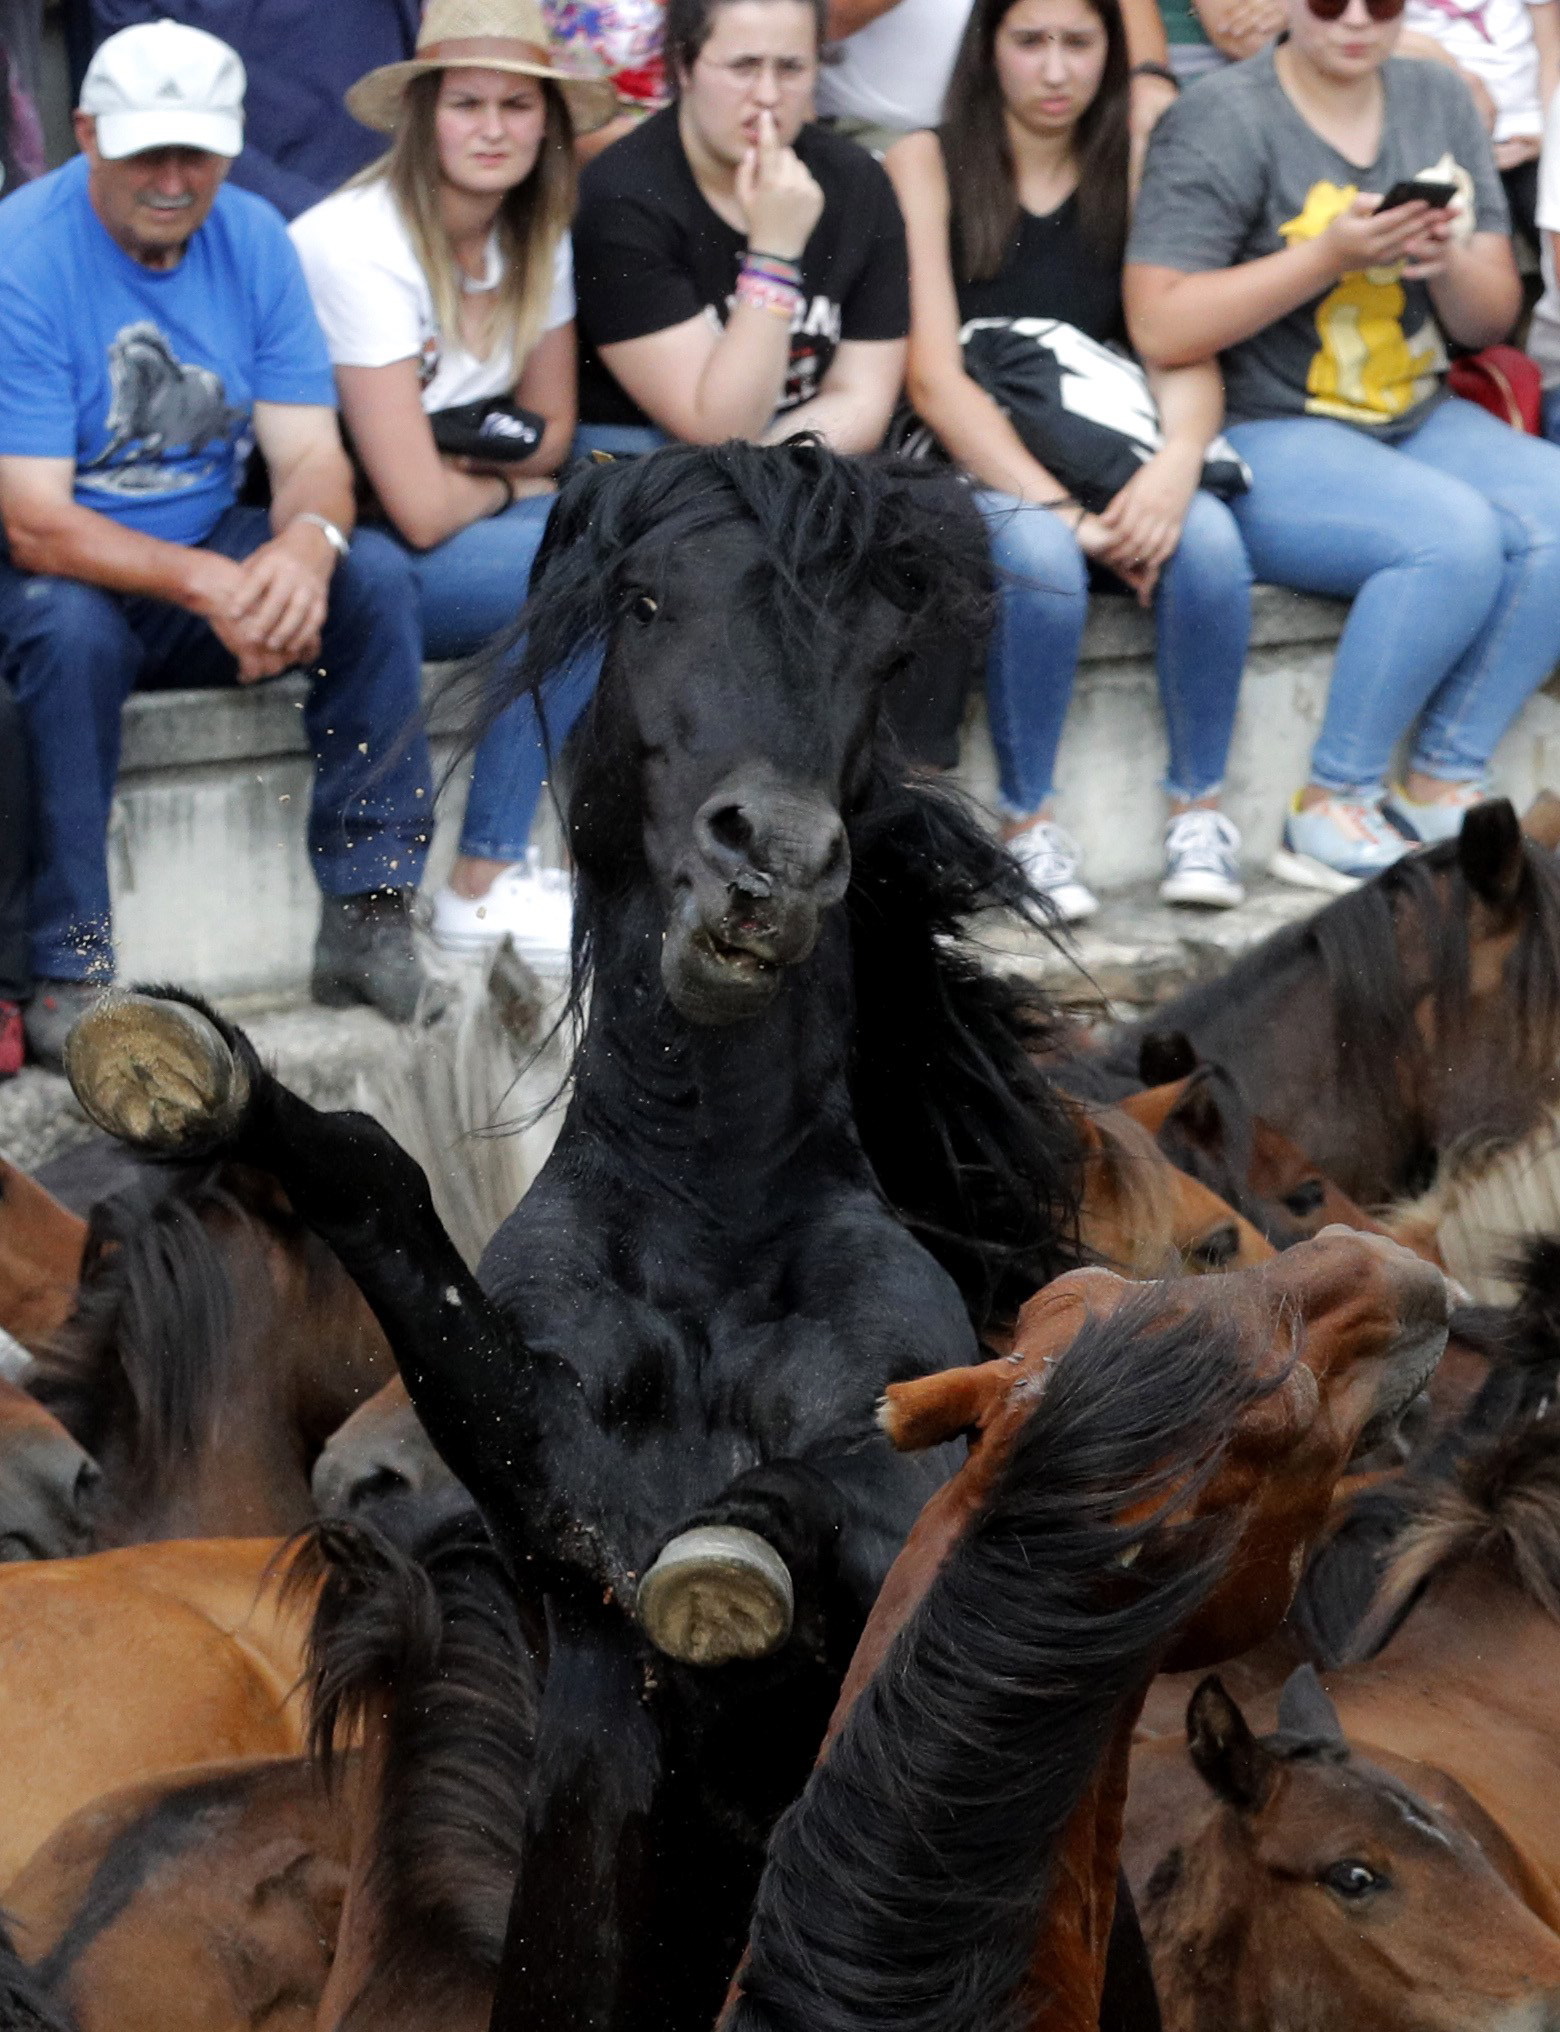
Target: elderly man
[(151, 323)]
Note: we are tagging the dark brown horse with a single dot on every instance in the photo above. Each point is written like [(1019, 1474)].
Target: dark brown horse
[(1421, 1010), (953, 1861), (214, 1345), (47, 1482), (1318, 1890)]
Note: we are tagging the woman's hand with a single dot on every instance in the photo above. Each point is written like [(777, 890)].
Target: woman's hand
[(1519, 148), (1428, 255), (780, 199), (1143, 524), (1099, 545), (1366, 237), (497, 469)]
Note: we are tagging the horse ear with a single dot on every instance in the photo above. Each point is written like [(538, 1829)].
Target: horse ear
[(1305, 1712), (1541, 821), (1166, 1055), (1491, 853), (1228, 1757), (1199, 1117)]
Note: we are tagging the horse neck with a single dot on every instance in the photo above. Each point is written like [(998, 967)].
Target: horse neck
[(1071, 1947), (716, 1112)]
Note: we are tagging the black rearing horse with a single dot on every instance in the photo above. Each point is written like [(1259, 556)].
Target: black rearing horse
[(805, 1145)]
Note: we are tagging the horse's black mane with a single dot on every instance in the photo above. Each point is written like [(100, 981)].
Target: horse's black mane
[(427, 1630), (1489, 1483), (152, 1336), (964, 1131), (24, 2004), (906, 1886)]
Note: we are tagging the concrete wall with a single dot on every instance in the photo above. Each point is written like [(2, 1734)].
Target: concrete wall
[(212, 885)]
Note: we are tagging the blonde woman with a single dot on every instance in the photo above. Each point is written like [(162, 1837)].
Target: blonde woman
[(444, 283)]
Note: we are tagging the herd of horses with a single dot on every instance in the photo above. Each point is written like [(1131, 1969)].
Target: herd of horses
[(922, 1516)]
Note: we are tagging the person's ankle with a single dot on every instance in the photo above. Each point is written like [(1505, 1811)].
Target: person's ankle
[(1013, 825), (473, 875), (1419, 789)]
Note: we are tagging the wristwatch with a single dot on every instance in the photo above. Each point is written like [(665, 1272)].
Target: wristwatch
[(332, 534)]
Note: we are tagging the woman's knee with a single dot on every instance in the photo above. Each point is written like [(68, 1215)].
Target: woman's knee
[(1211, 547), (1034, 551), (376, 576)]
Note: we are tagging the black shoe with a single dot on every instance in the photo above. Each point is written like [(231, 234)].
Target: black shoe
[(51, 1015), (364, 953)]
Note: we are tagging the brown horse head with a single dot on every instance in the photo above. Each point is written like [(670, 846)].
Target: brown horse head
[(1320, 1892), (1142, 1216), (40, 1259), (47, 1482)]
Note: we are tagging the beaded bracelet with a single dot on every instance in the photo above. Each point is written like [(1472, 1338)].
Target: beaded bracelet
[(783, 261), (764, 292)]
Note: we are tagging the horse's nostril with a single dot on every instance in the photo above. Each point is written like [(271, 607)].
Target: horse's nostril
[(729, 826), (84, 1490), (376, 1486)]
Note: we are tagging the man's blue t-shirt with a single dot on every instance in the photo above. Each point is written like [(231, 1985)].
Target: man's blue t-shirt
[(146, 377)]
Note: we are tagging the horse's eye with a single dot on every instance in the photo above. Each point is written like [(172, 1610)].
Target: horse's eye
[(644, 608), (1213, 1251), (1353, 1879), (1307, 1197)]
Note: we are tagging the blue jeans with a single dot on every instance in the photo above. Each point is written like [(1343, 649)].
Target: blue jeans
[(621, 440), (1552, 415), (1202, 616), (1448, 542), (472, 586), (73, 653)]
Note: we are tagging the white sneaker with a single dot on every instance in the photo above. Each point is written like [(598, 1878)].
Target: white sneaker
[(1202, 861), (1051, 859), (531, 905)]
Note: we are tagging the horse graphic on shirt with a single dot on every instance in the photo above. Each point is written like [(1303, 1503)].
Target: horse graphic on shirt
[(1368, 369), (158, 406)]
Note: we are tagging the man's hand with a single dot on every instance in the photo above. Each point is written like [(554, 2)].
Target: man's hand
[(286, 589), (220, 591), (780, 199), (1366, 237)]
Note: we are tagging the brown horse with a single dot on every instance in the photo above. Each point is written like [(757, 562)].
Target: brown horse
[(47, 1482), (125, 1664), (1320, 1890), (953, 1862), (215, 1345), (1398, 1021), (1141, 1216), (203, 1901), (40, 1259)]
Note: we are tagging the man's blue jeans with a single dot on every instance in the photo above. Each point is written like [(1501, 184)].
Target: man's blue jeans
[(72, 654), (472, 586), (1448, 543), (1202, 617)]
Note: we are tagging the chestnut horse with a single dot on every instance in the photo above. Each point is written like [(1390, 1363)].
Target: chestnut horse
[(1319, 1890), (215, 1345), (40, 1259), (1144, 1476), (202, 1901), (125, 1664)]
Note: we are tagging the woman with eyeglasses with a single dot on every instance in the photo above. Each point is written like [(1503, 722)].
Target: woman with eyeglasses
[(1261, 238)]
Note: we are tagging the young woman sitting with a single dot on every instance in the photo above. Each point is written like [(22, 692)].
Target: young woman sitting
[(443, 280), (1261, 240), (1017, 208)]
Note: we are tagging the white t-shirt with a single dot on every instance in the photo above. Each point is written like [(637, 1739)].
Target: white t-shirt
[(895, 71), (374, 304), (1544, 332), (1494, 40)]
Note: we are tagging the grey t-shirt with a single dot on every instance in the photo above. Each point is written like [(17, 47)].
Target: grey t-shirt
[(1234, 173)]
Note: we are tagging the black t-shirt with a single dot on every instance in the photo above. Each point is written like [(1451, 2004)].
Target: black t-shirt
[(650, 253), (1051, 272)]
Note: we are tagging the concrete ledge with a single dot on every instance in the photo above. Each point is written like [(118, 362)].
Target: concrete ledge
[(211, 879)]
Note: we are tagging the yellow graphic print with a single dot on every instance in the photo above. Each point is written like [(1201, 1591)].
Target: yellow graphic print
[(1369, 369)]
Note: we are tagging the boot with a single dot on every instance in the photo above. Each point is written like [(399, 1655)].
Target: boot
[(364, 953)]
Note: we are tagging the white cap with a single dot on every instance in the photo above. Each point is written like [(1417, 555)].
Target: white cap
[(162, 85)]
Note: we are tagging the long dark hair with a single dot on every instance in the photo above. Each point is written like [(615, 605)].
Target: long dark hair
[(981, 181)]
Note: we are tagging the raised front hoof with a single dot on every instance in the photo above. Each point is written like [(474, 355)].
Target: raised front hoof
[(154, 1073), (716, 1594)]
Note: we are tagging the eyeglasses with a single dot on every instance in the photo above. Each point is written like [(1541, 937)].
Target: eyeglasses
[(1334, 10)]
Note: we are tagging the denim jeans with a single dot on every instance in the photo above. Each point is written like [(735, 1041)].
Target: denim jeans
[(621, 440), (72, 653), (1552, 415), (16, 839), (1202, 617), (472, 586), (1448, 542)]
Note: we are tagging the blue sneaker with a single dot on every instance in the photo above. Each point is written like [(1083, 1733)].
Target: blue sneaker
[(1424, 824), (1336, 845)]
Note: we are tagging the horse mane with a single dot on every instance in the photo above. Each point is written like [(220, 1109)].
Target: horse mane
[(1488, 1193), (969, 1142), (420, 1643), (906, 1886), (25, 2006), (155, 1332), (1486, 1490)]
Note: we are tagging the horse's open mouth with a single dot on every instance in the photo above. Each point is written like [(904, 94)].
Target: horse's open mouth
[(1403, 1390), (732, 953)]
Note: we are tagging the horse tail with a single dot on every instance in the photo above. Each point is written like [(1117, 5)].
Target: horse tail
[(970, 1140), (907, 1886), (24, 2004), (418, 1644)]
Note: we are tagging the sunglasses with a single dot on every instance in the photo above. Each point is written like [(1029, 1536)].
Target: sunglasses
[(1334, 10)]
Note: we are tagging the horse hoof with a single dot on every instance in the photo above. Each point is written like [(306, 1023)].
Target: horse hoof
[(154, 1073), (715, 1594)]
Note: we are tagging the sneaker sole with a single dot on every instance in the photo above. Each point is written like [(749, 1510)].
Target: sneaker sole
[(1305, 873), (1203, 892)]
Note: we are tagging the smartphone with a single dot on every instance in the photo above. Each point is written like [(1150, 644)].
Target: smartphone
[(1420, 187)]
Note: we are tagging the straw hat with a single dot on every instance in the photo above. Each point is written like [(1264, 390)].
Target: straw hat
[(492, 35)]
